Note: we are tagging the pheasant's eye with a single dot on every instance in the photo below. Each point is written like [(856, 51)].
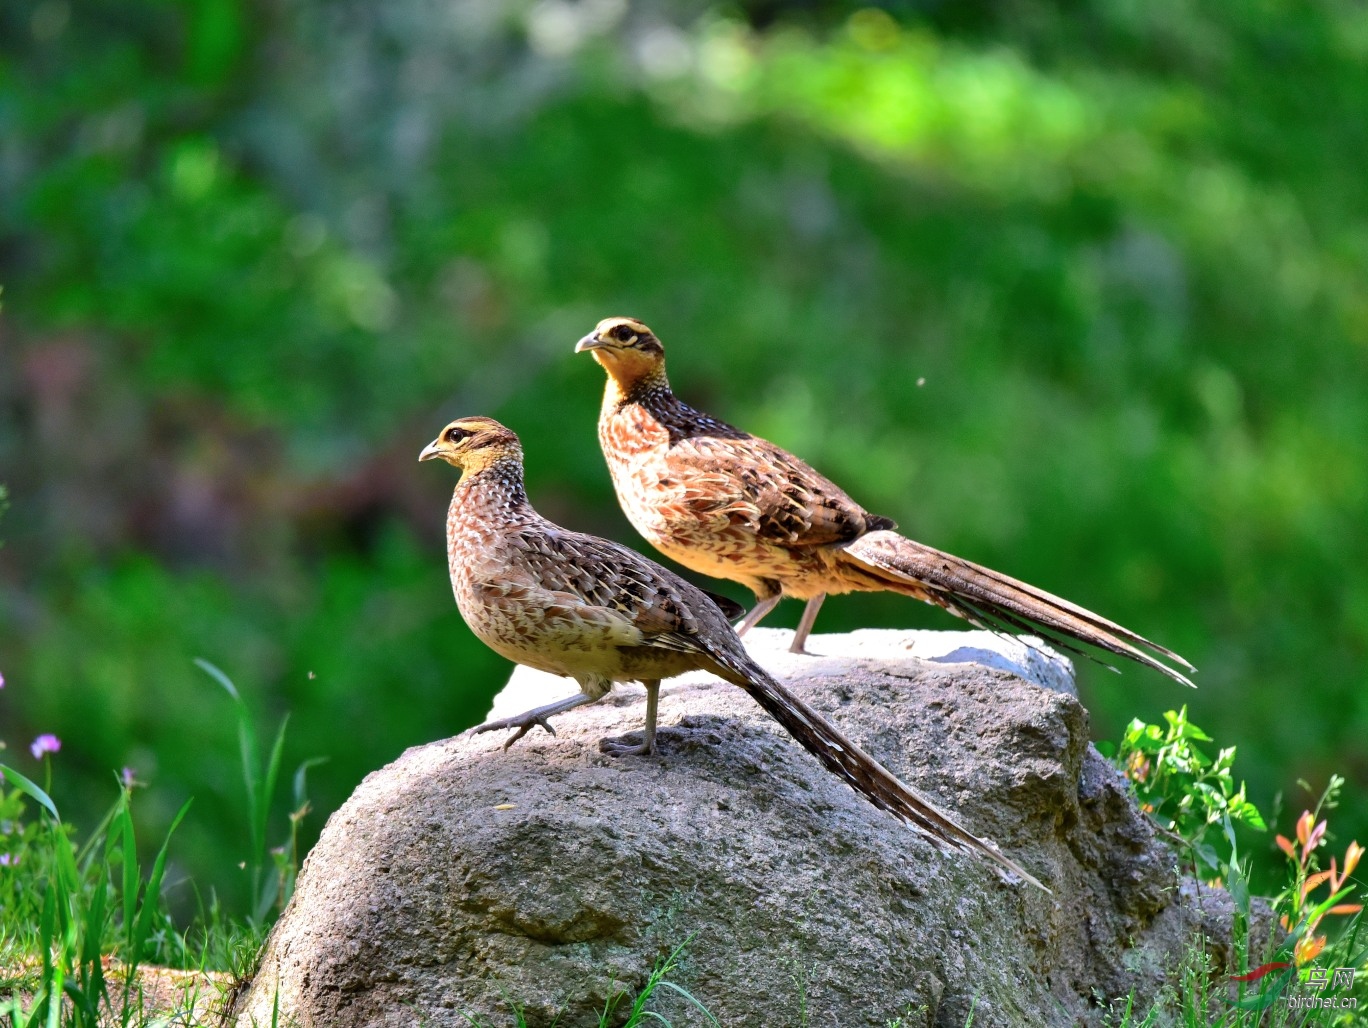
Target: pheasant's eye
[(455, 435), (623, 334)]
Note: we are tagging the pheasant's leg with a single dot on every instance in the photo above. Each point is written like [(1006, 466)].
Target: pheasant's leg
[(757, 612), (647, 745), (805, 623), (529, 719)]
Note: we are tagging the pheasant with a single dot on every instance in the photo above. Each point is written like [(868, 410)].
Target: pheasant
[(728, 504), (583, 607)]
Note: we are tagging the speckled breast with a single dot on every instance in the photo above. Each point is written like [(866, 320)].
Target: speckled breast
[(685, 512)]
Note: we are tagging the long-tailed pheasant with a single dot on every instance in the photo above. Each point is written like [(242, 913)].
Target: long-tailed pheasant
[(728, 504)]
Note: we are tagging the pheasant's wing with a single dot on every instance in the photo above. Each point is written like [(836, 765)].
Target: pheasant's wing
[(730, 479), (613, 585)]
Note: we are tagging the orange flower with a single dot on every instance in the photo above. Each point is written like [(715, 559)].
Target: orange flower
[(1351, 858), (1309, 833), (1304, 827), (1314, 880), (1308, 948), (1317, 837), (1285, 844)]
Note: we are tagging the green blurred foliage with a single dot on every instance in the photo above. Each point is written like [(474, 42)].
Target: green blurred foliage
[(1076, 291)]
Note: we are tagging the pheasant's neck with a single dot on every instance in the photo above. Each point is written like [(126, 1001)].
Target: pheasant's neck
[(651, 391), (492, 496), (663, 412)]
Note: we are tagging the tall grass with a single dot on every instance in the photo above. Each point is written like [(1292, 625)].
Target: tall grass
[(271, 871), (79, 921), (81, 905)]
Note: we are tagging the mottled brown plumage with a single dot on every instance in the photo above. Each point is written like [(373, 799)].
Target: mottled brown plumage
[(586, 608), (728, 504)]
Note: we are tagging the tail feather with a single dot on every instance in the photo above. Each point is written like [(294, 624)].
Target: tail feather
[(859, 770), (990, 599), (1006, 624)]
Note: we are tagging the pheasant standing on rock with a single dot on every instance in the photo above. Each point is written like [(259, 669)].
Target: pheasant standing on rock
[(586, 608), (728, 504)]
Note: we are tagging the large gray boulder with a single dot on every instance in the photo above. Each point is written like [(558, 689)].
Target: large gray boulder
[(463, 879)]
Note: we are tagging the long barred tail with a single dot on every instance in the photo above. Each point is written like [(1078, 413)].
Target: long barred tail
[(994, 601), (859, 770)]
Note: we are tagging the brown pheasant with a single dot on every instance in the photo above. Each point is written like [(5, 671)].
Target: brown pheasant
[(589, 609), (724, 503)]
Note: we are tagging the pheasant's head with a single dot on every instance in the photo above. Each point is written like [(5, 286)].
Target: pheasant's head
[(473, 443), (629, 352)]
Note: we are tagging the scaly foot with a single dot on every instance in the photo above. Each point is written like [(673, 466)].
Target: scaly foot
[(647, 746), (530, 719), (524, 723), (614, 748)]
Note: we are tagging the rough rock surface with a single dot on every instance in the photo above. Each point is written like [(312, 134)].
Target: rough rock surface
[(462, 877)]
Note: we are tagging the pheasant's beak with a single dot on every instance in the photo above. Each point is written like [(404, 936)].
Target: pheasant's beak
[(429, 451), (593, 341)]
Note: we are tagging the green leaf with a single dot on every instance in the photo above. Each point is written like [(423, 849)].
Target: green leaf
[(130, 876), (1249, 814), (30, 789), (219, 677), (55, 990)]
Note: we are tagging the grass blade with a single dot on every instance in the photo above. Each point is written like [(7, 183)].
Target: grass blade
[(31, 789), (689, 996), (268, 784), (54, 999), (151, 894), (218, 676), (130, 874)]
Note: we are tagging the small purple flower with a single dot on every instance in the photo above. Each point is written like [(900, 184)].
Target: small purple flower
[(45, 743), (8, 861), (128, 777), (2, 679)]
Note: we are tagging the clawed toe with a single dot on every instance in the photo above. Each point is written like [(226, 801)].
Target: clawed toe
[(524, 729), (523, 723), (614, 748)]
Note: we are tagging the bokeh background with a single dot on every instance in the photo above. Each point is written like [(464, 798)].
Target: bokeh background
[(1076, 290)]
